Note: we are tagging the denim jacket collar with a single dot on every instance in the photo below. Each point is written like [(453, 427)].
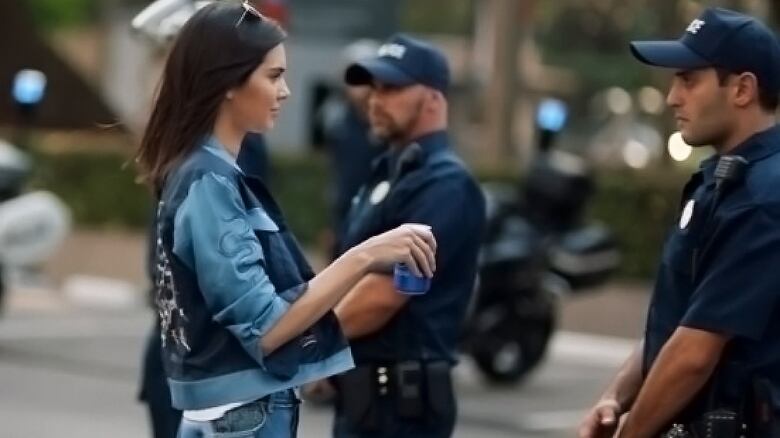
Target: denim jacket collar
[(211, 144)]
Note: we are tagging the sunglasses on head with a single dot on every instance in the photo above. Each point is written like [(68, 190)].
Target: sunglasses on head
[(249, 9)]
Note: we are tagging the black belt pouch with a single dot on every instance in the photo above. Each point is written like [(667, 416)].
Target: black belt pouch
[(357, 398)]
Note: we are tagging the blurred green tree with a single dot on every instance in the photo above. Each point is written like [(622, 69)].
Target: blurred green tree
[(591, 36), (50, 14), (774, 14), (438, 16)]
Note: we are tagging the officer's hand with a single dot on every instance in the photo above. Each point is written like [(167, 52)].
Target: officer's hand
[(602, 420), (412, 244)]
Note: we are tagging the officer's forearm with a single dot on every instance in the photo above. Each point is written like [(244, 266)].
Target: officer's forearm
[(682, 368), (625, 387), (368, 306)]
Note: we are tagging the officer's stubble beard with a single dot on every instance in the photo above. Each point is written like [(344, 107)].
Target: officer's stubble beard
[(397, 133), (712, 126)]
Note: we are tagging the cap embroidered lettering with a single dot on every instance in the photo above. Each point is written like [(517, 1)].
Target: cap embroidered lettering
[(393, 50), (695, 26)]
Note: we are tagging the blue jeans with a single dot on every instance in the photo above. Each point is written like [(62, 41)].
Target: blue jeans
[(273, 416)]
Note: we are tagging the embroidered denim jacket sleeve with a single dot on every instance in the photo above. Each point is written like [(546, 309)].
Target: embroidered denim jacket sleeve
[(214, 238)]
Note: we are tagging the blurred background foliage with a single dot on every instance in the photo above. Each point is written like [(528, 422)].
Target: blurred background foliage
[(55, 14), (102, 191), (588, 37), (438, 16)]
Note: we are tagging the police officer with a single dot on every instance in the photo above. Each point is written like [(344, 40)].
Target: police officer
[(710, 361), (405, 346)]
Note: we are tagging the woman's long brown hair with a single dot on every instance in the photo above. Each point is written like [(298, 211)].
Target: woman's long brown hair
[(217, 50)]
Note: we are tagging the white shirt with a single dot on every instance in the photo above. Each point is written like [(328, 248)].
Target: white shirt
[(209, 414)]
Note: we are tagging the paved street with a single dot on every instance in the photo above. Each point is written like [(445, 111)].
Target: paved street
[(69, 371)]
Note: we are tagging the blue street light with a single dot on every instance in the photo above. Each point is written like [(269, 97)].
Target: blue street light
[(551, 115), (28, 90), (29, 87), (550, 118)]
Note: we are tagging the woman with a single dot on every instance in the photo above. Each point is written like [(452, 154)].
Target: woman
[(244, 320)]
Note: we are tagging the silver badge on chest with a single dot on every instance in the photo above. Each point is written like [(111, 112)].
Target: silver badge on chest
[(379, 193), (687, 214)]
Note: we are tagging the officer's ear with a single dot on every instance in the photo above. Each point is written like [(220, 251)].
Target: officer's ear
[(434, 98), (746, 89)]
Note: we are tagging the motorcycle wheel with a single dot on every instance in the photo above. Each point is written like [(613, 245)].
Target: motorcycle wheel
[(515, 345)]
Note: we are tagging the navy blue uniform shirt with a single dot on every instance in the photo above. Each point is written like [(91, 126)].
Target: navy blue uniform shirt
[(721, 272), (431, 187)]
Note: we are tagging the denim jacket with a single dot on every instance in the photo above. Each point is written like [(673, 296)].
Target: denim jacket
[(227, 269)]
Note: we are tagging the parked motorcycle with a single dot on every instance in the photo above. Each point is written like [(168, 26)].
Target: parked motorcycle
[(537, 248), (32, 224)]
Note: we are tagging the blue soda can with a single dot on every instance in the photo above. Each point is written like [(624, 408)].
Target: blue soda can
[(408, 283)]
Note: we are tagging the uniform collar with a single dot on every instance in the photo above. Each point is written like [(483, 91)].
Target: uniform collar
[(212, 145), (706, 171), (430, 143), (759, 145), (755, 148), (433, 142)]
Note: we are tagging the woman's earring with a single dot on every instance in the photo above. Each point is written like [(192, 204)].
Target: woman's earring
[(229, 95)]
